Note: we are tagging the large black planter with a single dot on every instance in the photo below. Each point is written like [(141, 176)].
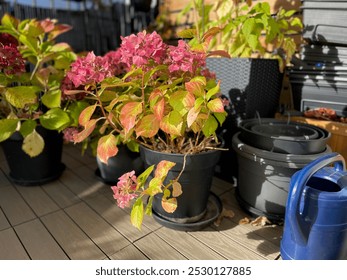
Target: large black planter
[(253, 87), (264, 176), (196, 183), (38, 170), (125, 161)]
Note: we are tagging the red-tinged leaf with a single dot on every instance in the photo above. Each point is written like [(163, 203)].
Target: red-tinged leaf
[(219, 53), (163, 168), (195, 87), (86, 114), (88, 129), (172, 124), (159, 109), (181, 101), (147, 126), (216, 105), (59, 29), (47, 25), (209, 34), (192, 116), (128, 115), (107, 147), (176, 189), (169, 205)]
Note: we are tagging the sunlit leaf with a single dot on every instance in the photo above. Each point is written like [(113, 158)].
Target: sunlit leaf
[(136, 216), (33, 144), (176, 189), (107, 147), (7, 128)]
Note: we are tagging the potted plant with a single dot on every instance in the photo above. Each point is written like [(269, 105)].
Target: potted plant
[(261, 44), (167, 104), (33, 110)]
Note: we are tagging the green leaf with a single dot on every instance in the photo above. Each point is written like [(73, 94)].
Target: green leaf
[(27, 127), (7, 128), (142, 178), (136, 215), (52, 98), (213, 91), (21, 96), (33, 144), (154, 187), (172, 124), (181, 101), (55, 119), (107, 147), (210, 126)]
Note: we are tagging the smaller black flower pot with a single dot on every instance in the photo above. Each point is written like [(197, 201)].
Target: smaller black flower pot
[(44, 168), (125, 161)]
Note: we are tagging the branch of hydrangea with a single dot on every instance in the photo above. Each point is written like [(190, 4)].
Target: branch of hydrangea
[(115, 128), (37, 65)]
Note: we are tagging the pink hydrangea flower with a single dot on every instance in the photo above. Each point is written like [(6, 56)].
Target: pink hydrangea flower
[(141, 49), (89, 70), (124, 192), (182, 59), (69, 133), (113, 58)]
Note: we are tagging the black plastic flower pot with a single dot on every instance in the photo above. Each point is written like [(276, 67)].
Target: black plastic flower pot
[(196, 181), (31, 171), (125, 161), (264, 176)]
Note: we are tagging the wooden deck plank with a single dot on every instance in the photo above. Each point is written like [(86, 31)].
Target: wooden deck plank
[(129, 253), (108, 239), (70, 161), (38, 242), (3, 179), (79, 187), (116, 217), (272, 233), (38, 200), (87, 174), (14, 206), (187, 245), (156, 248), (10, 246), (3, 221), (71, 238), (225, 246), (62, 195)]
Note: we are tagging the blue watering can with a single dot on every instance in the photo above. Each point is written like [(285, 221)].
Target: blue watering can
[(315, 225)]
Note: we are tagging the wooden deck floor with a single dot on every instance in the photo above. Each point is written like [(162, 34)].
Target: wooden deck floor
[(76, 217)]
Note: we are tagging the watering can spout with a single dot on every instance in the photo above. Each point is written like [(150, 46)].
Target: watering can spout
[(315, 214)]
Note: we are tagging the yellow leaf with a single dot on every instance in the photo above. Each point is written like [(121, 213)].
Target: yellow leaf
[(33, 144)]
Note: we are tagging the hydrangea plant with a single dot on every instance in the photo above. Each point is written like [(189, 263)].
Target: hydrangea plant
[(32, 67), (152, 94)]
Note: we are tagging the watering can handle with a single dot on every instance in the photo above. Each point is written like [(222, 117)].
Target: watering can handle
[(297, 188)]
